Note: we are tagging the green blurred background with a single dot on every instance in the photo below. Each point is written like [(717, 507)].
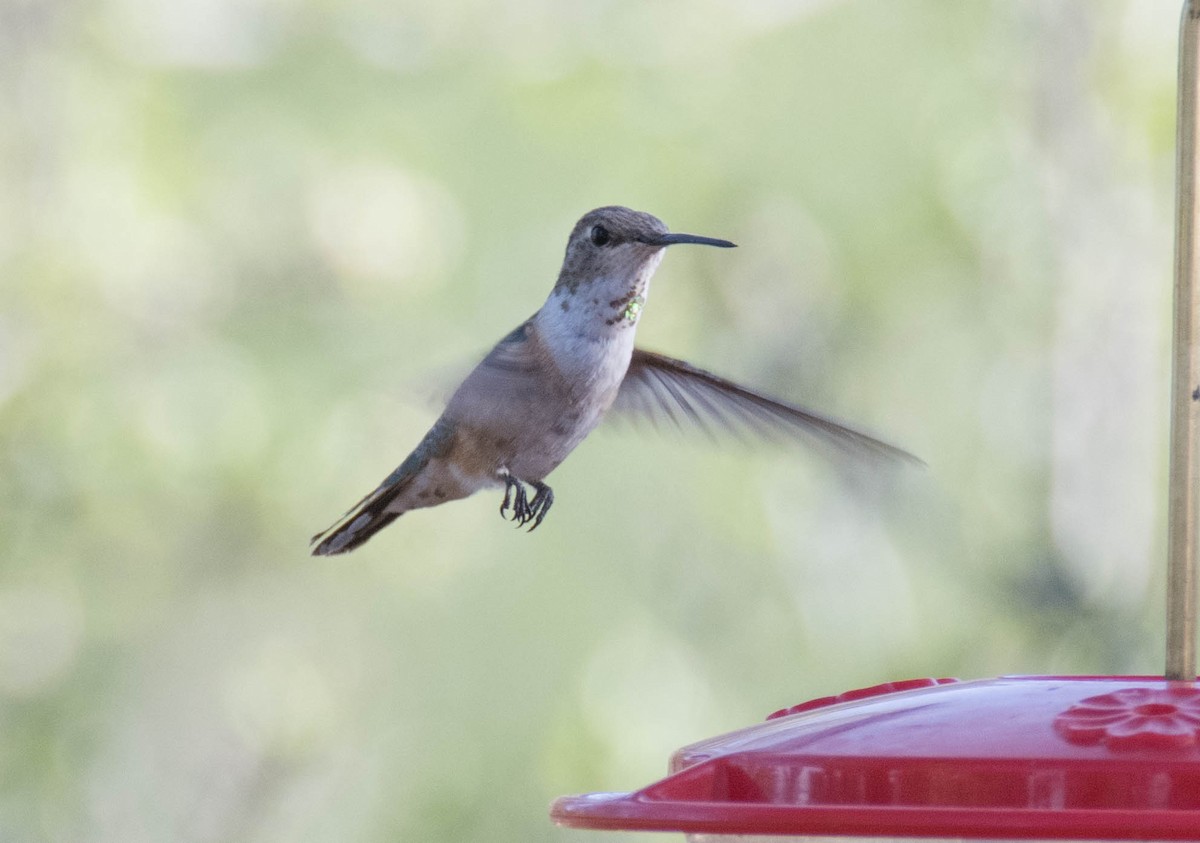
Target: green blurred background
[(242, 242)]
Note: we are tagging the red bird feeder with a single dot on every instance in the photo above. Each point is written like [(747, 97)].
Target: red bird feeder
[(1018, 757)]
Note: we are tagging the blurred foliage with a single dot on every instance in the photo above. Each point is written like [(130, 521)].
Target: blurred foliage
[(240, 239)]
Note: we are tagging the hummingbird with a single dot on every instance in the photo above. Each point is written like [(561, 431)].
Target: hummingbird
[(546, 385)]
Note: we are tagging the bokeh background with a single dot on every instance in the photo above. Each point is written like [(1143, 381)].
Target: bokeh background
[(242, 242)]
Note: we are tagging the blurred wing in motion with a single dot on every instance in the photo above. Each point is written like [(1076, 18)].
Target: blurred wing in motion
[(512, 372), (658, 388)]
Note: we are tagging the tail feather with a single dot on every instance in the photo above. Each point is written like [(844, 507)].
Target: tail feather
[(363, 520), (371, 514), (343, 537)]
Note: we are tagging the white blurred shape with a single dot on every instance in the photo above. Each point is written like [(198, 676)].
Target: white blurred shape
[(279, 701), (1109, 379), (1011, 410), (848, 580), (770, 14), (380, 224), (398, 39), (203, 408), (1109, 399), (197, 33), (792, 270), (145, 263), (1147, 31), (16, 354), (41, 629), (646, 694)]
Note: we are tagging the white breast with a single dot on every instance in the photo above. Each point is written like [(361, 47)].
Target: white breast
[(589, 352)]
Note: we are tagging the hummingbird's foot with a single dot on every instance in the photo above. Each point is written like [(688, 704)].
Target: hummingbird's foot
[(514, 497), (523, 509), (540, 505), (509, 482)]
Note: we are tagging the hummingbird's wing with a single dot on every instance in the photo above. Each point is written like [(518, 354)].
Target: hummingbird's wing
[(514, 369), (659, 388)]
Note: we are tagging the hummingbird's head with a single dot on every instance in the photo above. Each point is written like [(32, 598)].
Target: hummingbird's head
[(618, 248)]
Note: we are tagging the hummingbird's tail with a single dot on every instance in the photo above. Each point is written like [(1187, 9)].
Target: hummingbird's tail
[(350, 532), (361, 521), (376, 510)]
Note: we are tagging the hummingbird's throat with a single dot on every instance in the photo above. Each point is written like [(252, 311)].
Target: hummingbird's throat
[(634, 309)]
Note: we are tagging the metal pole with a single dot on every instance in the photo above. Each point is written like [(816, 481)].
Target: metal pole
[(1183, 499)]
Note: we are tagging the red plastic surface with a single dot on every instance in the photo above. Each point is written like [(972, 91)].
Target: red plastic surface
[(861, 694), (1014, 757)]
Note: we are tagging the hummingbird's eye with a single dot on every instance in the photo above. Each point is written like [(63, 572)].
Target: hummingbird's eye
[(600, 235)]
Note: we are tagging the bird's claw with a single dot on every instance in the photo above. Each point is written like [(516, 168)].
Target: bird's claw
[(540, 505), (509, 482), (514, 497), (523, 509)]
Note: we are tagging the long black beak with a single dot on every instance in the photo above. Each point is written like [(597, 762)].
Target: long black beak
[(674, 239)]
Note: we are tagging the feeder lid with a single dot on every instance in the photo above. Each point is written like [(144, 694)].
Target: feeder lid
[(1096, 757)]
